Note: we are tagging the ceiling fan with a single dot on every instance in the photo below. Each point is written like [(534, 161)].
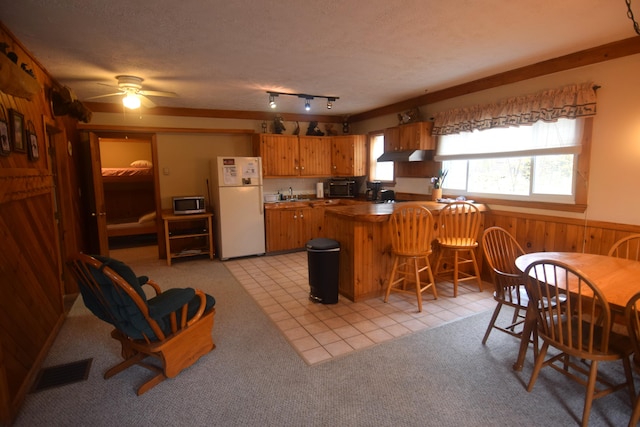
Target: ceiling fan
[(130, 88)]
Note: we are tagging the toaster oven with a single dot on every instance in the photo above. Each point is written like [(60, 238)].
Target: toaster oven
[(342, 188)]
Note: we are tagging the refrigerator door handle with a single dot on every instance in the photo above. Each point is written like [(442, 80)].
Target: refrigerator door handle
[(261, 202)]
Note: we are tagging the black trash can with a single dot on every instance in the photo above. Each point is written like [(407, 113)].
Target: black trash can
[(323, 256)]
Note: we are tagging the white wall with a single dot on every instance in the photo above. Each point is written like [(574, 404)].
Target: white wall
[(615, 157), (615, 152)]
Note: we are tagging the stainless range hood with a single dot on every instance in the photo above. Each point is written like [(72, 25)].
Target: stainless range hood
[(406, 156)]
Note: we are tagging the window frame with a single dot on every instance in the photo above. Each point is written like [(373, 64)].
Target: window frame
[(370, 160), (582, 162)]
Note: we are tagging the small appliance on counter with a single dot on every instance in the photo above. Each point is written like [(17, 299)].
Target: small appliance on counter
[(387, 195), (373, 190), (343, 187)]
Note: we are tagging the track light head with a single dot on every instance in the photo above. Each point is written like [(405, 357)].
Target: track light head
[(307, 104), (330, 103)]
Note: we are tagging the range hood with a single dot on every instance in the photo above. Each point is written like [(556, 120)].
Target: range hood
[(406, 156)]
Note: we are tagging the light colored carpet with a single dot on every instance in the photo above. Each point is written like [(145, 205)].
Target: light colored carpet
[(442, 376)]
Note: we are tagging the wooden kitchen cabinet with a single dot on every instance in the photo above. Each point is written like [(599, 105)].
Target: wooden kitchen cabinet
[(411, 136), (392, 139), (280, 154), (319, 156), (349, 155), (291, 228), (293, 155), (315, 155)]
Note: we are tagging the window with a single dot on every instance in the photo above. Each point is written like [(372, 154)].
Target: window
[(537, 162), (382, 171)]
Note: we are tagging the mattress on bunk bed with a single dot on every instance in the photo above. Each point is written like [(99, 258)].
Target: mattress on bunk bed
[(146, 224), (126, 172)]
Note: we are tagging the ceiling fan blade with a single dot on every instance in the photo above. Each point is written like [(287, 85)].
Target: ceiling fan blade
[(108, 85), (104, 96), (158, 93), (146, 102)]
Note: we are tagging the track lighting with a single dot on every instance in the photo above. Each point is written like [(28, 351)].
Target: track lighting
[(307, 99)]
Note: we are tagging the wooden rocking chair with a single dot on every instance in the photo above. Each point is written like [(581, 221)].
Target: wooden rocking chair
[(173, 327)]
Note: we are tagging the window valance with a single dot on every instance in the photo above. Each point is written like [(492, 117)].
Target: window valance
[(572, 101)]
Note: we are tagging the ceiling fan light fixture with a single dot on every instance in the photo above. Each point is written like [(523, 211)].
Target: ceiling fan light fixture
[(131, 101)]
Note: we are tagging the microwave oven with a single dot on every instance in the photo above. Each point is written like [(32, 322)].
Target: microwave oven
[(342, 188), (186, 205)]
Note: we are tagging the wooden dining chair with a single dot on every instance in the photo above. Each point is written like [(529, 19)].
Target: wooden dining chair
[(500, 252), (173, 327), (411, 228), (627, 247), (632, 315), (457, 240), (579, 328)]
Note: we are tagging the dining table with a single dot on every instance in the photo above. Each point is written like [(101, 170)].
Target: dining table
[(617, 278)]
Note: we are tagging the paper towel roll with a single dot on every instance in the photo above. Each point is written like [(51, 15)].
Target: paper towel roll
[(320, 190)]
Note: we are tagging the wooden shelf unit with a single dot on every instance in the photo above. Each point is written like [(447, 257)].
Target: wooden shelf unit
[(188, 235)]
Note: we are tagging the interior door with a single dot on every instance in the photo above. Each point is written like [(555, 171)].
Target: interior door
[(98, 238)]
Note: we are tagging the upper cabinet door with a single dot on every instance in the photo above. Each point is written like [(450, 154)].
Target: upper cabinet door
[(280, 154), (315, 156), (416, 136), (349, 155)]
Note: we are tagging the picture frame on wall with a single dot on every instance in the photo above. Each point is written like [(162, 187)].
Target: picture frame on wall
[(32, 141), (5, 143), (16, 120)]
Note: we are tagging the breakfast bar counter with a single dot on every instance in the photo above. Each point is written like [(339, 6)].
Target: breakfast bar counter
[(365, 245)]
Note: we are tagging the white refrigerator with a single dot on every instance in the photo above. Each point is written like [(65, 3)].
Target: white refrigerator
[(236, 195)]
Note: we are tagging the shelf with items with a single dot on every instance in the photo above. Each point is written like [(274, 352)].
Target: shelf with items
[(188, 235)]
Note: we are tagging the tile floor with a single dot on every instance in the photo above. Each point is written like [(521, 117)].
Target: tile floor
[(319, 332)]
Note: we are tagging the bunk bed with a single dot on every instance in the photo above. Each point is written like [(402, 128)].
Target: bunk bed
[(129, 196)]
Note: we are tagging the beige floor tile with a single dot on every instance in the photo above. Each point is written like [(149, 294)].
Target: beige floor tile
[(318, 332)]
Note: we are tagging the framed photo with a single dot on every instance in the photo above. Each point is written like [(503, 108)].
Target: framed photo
[(16, 121), (5, 143), (32, 141)]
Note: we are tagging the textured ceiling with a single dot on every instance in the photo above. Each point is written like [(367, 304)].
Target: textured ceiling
[(369, 53)]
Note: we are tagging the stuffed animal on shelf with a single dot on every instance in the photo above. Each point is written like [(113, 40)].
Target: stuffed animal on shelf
[(314, 130), (329, 130), (278, 125)]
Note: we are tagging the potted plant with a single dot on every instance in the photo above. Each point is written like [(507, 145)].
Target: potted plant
[(437, 181)]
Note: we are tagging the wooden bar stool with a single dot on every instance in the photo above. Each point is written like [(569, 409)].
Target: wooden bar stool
[(411, 228), (457, 241)]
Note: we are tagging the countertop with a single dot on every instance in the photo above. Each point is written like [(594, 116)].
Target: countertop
[(379, 212)]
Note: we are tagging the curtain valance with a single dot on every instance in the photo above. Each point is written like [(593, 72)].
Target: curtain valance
[(577, 100)]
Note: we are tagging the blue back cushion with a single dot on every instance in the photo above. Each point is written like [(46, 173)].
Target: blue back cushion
[(117, 307)]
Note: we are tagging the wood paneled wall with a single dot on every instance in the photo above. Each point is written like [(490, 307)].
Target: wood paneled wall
[(31, 288), (536, 233)]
